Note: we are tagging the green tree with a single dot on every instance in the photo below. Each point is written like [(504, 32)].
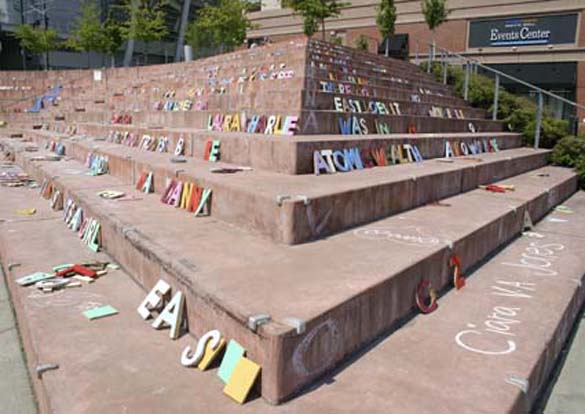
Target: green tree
[(111, 39), (144, 21), (87, 32), (309, 26), (362, 43), (37, 40), (315, 11), (223, 26), (386, 20), (435, 12)]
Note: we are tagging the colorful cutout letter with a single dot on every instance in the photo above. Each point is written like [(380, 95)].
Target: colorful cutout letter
[(172, 315), (154, 299), (233, 353), (190, 360), (242, 380)]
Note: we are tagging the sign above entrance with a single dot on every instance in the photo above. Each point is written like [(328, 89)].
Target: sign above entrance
[(523, 31)]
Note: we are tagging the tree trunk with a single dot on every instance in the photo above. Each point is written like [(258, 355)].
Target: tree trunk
[(434, 45), (387, 45), (88, 61), (181, 39), (129, 53), (323, 28), (46, 61), (113, 60)]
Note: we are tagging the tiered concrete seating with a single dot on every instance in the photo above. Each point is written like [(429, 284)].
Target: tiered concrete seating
[(363, 240)]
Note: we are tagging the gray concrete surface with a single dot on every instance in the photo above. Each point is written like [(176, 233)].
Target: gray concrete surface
[(568, 392), (15, 390)]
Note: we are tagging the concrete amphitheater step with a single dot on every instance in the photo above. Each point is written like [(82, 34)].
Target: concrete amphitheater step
[(312, 207), (311, 122), (153, 241), (288, 155), (490, 347)]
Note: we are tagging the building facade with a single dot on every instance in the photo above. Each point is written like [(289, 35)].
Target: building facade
[(539, 41), (59, 15)]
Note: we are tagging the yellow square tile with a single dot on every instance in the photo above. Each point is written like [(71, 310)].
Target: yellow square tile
[(210, 354), (242, 379)]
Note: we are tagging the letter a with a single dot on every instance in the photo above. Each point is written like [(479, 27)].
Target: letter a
[(172, 315)]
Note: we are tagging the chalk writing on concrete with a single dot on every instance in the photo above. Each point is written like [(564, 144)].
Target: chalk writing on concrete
[(324, 336), (410, 235), (496, 334)]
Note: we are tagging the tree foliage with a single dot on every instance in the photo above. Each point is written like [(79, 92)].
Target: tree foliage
[(435, 12), (144, 20), (386, 18), (111, 38), (570, 152), (224, 25), (518, 112), (36, 39), (315, 12), (86, 34), (362, 43), (89, 34)]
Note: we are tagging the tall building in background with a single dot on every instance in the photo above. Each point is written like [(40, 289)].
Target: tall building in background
[(59, 15), (540, 41)]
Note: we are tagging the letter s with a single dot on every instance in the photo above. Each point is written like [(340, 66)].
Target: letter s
[(188, 360)]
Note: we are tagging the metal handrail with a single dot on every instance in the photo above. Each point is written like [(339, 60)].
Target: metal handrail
[(469, 61), (512, 78)]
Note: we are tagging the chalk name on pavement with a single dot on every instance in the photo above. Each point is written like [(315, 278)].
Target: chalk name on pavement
[(496, 335)]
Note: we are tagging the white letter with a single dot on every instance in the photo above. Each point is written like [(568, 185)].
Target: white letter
[(458, 339), (153, 300), (172, 315), (192, 360)]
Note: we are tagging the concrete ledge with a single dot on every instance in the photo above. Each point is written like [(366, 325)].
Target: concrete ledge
[(288, 155), (317, 206)]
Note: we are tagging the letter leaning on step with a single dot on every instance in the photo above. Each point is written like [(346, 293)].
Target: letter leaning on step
[(319, 163), (204, 199), (353, 159), (328, 156), (448, 150), (154, 299), (269, 130), (172, 315), (190, 360)]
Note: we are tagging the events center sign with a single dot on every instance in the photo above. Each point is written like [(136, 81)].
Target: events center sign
[(523, 31)]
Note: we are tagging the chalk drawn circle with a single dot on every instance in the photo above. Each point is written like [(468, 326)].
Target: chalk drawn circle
[(329, 340)]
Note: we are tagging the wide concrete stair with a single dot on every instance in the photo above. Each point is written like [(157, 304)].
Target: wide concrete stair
[(293, 209), (367, 291), (334, 259), (302, 79)]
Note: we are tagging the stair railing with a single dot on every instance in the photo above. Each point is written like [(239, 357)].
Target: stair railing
[(447, 57)]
